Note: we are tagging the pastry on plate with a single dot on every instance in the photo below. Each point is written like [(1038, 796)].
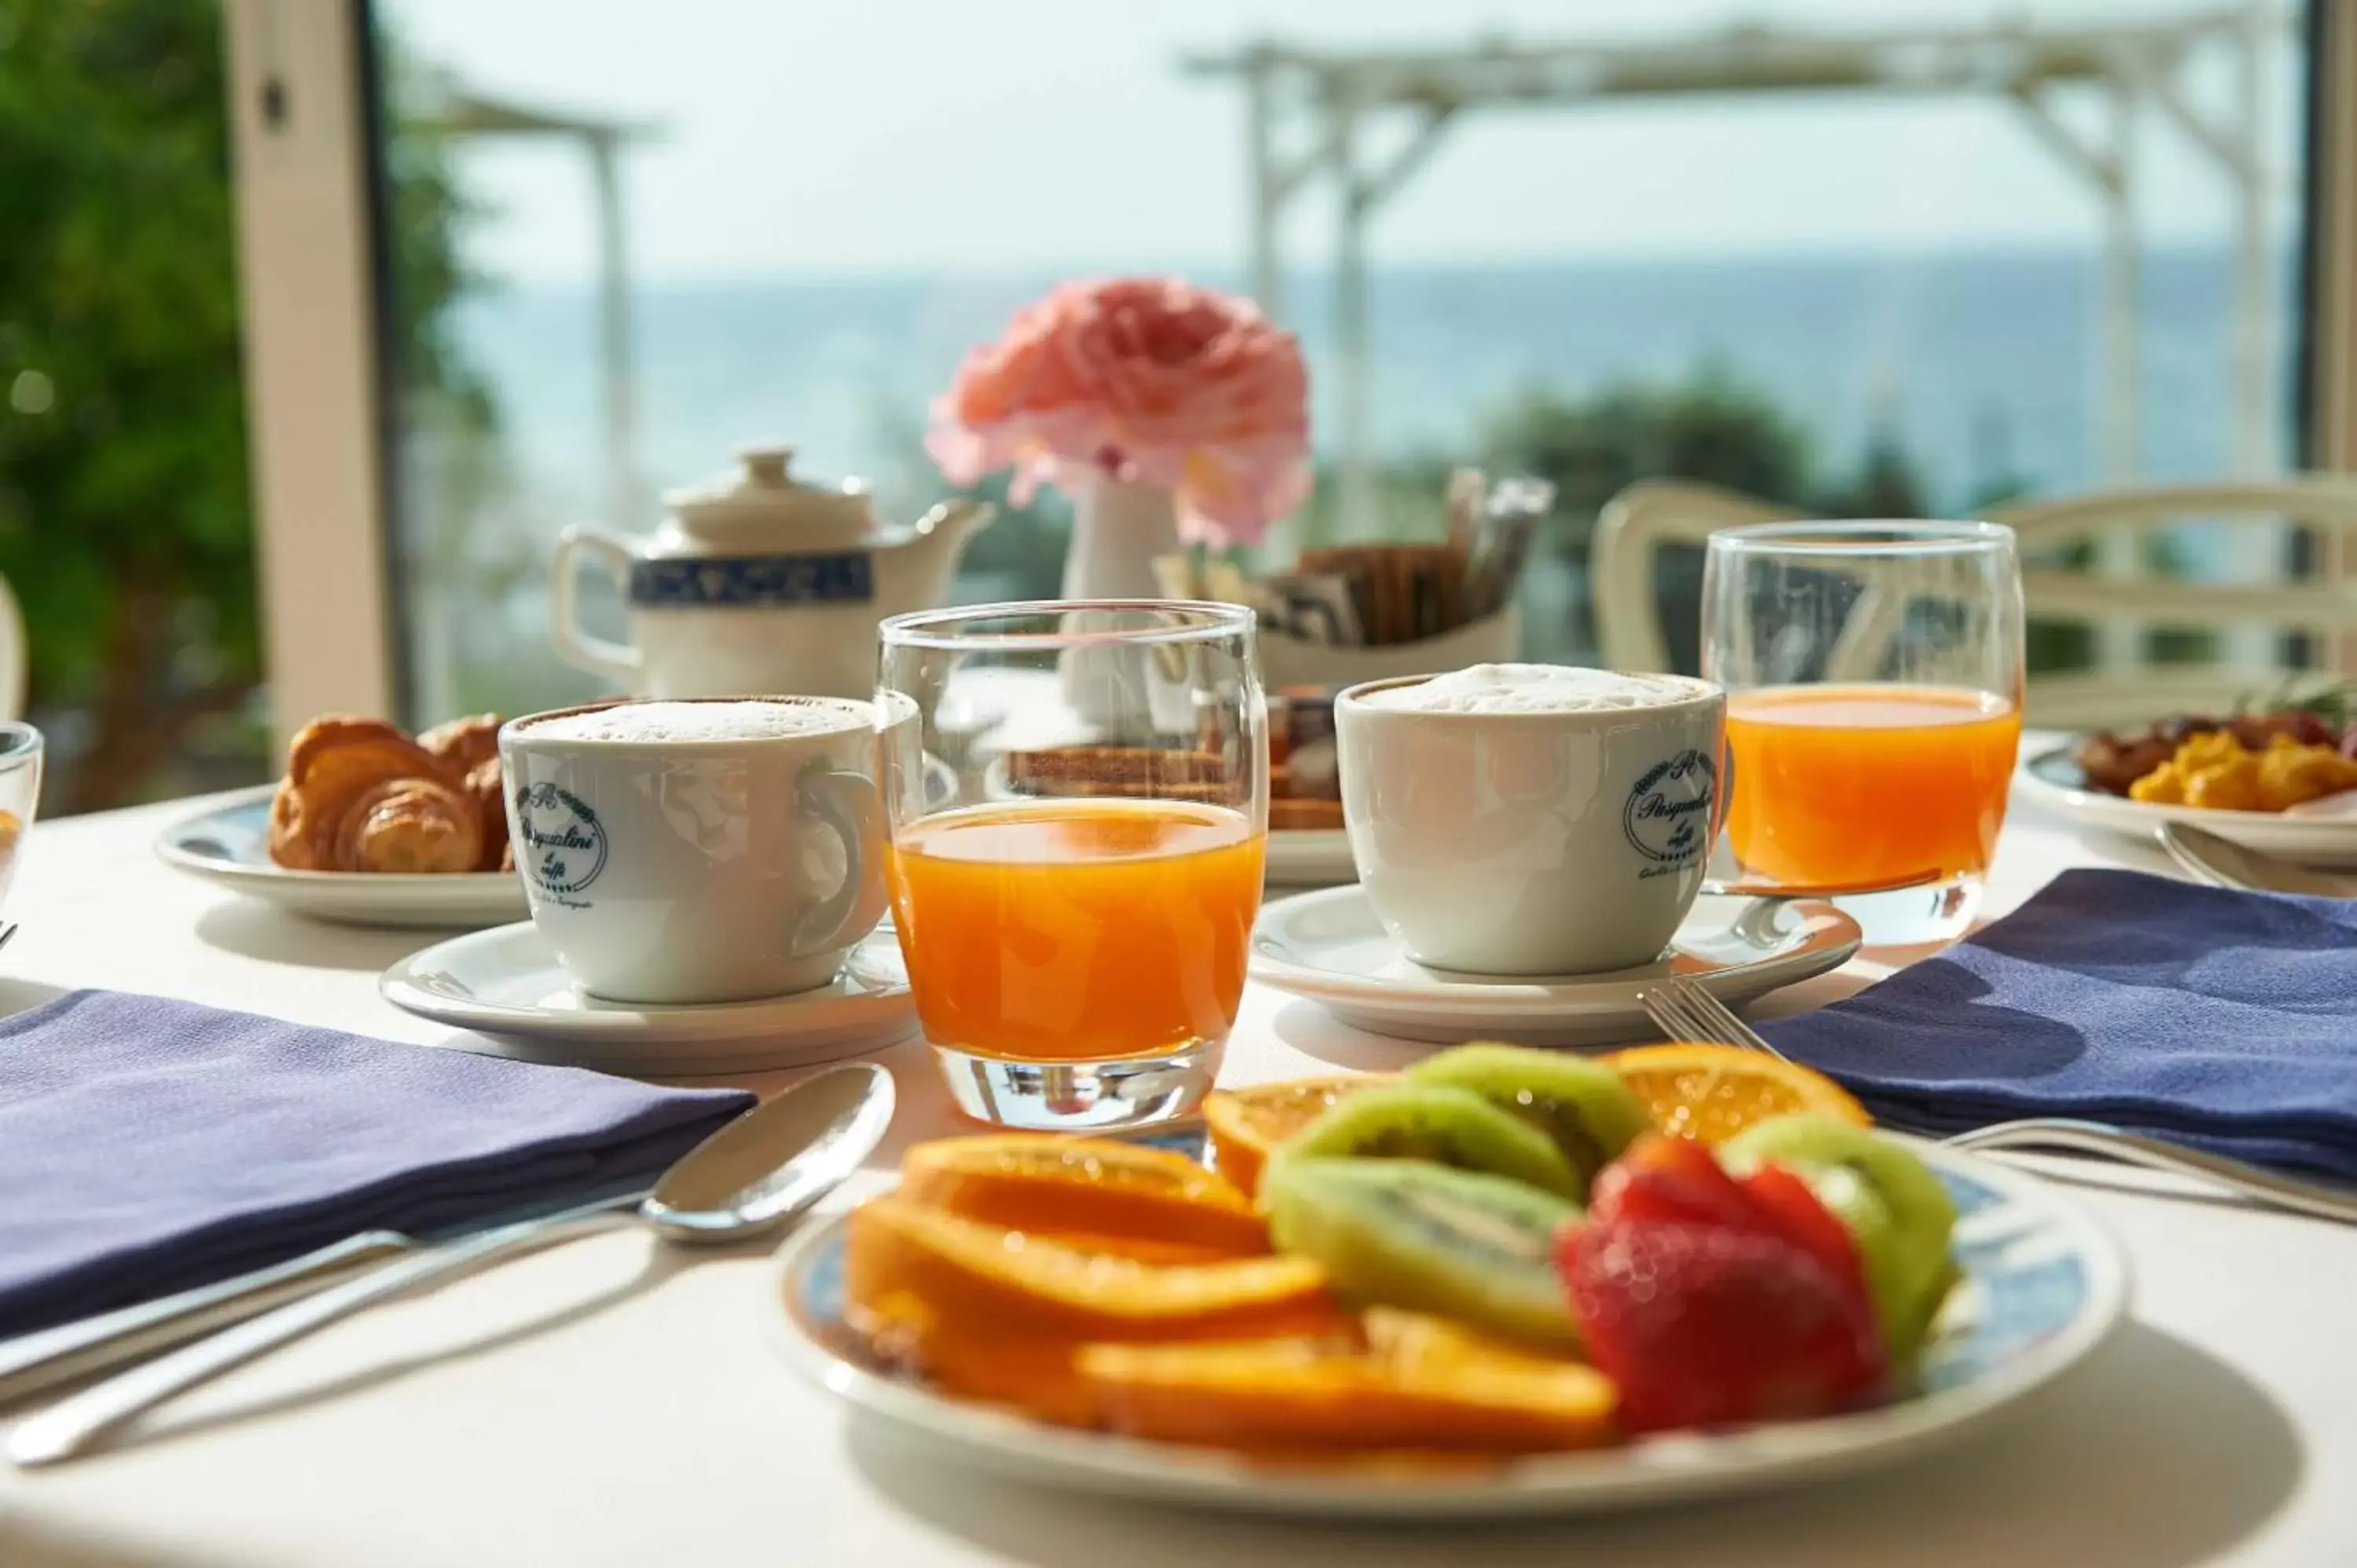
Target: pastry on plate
[(470, 749), (1303, 792), (1300, 814), (362, 796), (1120, 771), (464, 745)]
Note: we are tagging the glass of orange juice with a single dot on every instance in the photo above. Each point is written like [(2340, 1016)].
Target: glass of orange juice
[(1873, 674), (1079, 801)]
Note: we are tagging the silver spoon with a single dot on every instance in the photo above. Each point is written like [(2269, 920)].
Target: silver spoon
[(745, 1180), (2221, 863)]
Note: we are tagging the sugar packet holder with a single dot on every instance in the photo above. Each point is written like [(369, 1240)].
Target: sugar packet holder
[(1320, 607), (1501, 545)]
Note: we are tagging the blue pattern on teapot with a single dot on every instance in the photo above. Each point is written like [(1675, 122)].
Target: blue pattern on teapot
[(848, 577)]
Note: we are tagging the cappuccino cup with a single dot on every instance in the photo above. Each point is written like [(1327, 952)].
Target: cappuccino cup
[(1531, 819), (697, 851)]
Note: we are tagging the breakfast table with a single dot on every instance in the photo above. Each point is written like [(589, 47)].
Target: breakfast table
[(612, 1401)]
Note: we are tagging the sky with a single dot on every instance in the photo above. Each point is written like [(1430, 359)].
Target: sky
[(830, 137)]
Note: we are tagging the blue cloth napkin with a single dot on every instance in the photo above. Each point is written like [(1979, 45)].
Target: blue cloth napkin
[(147, 1145), (2224, 1020)]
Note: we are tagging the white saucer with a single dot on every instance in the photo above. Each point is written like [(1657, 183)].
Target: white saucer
[(507, 985), (1328, 947), (1310, 857), (228, 846)]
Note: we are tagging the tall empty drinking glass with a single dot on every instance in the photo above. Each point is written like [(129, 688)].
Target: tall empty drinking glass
[(1078, 800), (1873, 674)]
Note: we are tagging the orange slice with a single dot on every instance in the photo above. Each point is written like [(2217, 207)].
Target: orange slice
[(994, 1313), (1101, 1194), (1450, 1392), (1712, 1092), (1246, 1124)]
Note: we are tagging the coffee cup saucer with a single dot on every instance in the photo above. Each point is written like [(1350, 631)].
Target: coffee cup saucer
[(506, 986), (1329, 947)]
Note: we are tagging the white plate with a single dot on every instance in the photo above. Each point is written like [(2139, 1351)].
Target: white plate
[(2052, 780), (229, 846), (2042, 1287), (1328, 947), (507, 985), (1310, 857)]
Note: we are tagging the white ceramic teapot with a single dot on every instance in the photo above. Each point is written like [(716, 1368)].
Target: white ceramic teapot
[(757, 583)]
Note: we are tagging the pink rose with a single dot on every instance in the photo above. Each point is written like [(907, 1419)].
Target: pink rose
[(1143, 378)]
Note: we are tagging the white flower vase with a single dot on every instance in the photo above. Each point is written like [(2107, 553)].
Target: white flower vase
[(1119, 527)]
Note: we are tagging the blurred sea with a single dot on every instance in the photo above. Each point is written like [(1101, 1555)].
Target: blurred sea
[(1983, 366)]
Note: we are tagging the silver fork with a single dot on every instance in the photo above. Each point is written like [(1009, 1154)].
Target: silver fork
[(1688, 1012)]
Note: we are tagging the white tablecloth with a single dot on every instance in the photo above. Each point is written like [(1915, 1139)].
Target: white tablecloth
[(612, 1403)]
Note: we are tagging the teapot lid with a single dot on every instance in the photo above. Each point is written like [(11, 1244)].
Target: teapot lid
[(762, 493)]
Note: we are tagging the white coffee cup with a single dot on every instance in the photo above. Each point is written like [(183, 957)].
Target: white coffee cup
[(711, 850), (1531, 819)]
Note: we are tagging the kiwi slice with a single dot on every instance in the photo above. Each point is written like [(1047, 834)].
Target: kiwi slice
[(1897, 1211), (1582, 1105), (1439, 1122), (1391, 1232)]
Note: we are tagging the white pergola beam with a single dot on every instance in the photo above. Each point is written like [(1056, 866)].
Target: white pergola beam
[(2134, 62), (460, 113)]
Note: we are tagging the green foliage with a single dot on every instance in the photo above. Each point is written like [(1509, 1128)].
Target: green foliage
[(1711, 428), (125, 523), (123, 480), (1404, 496), (1886, 485)]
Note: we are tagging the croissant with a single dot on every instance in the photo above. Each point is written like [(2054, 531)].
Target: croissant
[(359, 795), (484, 786), (462, 746), (410, 824), (470, 747)]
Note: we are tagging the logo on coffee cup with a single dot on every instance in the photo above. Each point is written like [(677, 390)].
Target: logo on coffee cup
[(1668, 817), (564, 842)]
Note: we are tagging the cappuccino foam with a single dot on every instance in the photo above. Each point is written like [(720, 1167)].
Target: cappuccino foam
[(655, 723), (1535, 689)]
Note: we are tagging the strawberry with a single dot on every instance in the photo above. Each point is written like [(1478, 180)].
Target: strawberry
[(1702, 1325), (1801, 1218), (1671, 1180), (1678, 1180)]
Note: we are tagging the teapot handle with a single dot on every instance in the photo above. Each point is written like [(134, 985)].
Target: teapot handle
[(615, 660)]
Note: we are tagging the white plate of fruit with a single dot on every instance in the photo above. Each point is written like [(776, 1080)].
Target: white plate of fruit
[(1501, 1283)]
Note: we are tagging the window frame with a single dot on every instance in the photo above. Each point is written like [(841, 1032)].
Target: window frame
[(317, 407), (2328, 389)]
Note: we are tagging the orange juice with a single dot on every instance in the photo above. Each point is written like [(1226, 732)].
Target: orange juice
[(1868, 783), (1066, 930)]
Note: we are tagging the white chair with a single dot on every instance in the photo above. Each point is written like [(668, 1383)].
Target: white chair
[(1637, 522), (1629, 533)]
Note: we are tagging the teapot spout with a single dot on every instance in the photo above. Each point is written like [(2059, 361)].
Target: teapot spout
[(960, 519)]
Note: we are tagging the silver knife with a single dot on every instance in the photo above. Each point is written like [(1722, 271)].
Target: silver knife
[(32, 1363)]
